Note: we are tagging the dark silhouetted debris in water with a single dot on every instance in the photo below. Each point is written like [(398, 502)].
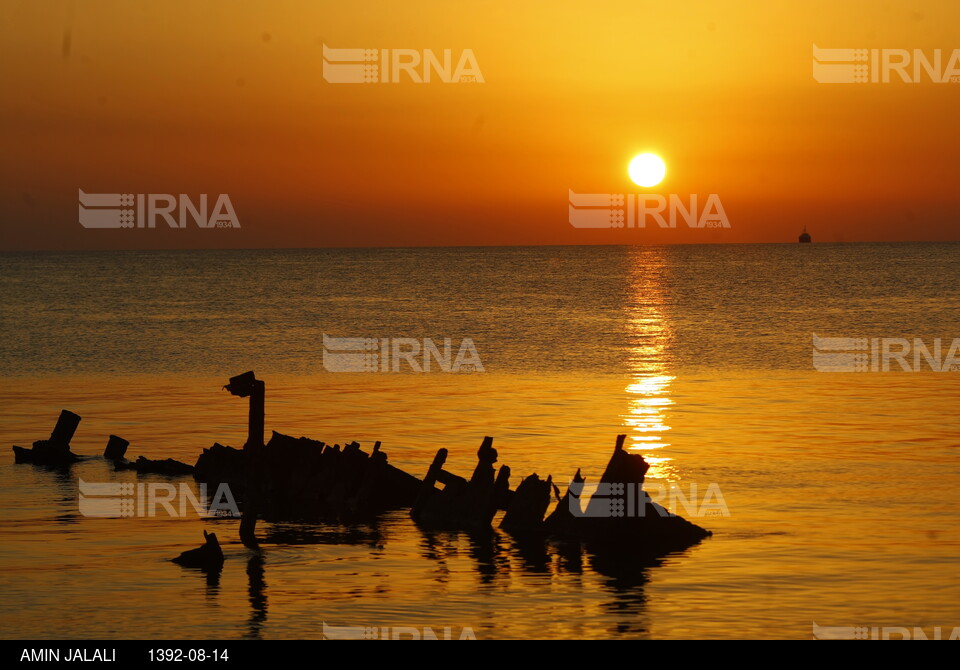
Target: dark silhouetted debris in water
[(54, 452), (462, 504), (299, 479), (208, 556), (168, 466), (116, 448)]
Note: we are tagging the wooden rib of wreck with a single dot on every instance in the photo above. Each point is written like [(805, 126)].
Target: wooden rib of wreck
[(622, 521), (462, 504)]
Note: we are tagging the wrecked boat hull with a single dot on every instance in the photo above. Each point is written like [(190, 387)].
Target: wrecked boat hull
[(299, 479)]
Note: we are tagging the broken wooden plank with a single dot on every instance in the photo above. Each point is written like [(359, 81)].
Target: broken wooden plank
[(54, 452), (63, 432), (116, 448)]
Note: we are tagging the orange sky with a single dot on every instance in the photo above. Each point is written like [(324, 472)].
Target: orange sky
[(228, 97)]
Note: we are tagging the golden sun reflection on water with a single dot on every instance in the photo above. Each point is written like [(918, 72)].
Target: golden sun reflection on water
[(648, 393), (647, 415)]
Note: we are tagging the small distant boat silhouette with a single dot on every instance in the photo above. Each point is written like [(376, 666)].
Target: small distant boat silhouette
[(805, 236)]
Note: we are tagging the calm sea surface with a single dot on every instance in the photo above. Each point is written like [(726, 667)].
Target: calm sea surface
[(839, 490)]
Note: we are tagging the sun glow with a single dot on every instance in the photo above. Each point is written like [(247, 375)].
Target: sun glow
[(647, 170)]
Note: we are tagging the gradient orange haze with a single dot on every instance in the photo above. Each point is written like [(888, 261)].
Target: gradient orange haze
[(228, 97)]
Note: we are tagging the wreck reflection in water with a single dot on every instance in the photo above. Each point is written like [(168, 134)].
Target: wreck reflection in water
[(500, 568)]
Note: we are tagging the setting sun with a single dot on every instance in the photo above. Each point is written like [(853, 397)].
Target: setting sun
[(647, 170)]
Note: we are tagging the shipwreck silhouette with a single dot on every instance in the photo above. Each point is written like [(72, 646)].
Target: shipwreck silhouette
[(302, 480)]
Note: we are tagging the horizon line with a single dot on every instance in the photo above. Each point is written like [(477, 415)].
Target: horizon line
[(469, 246)]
